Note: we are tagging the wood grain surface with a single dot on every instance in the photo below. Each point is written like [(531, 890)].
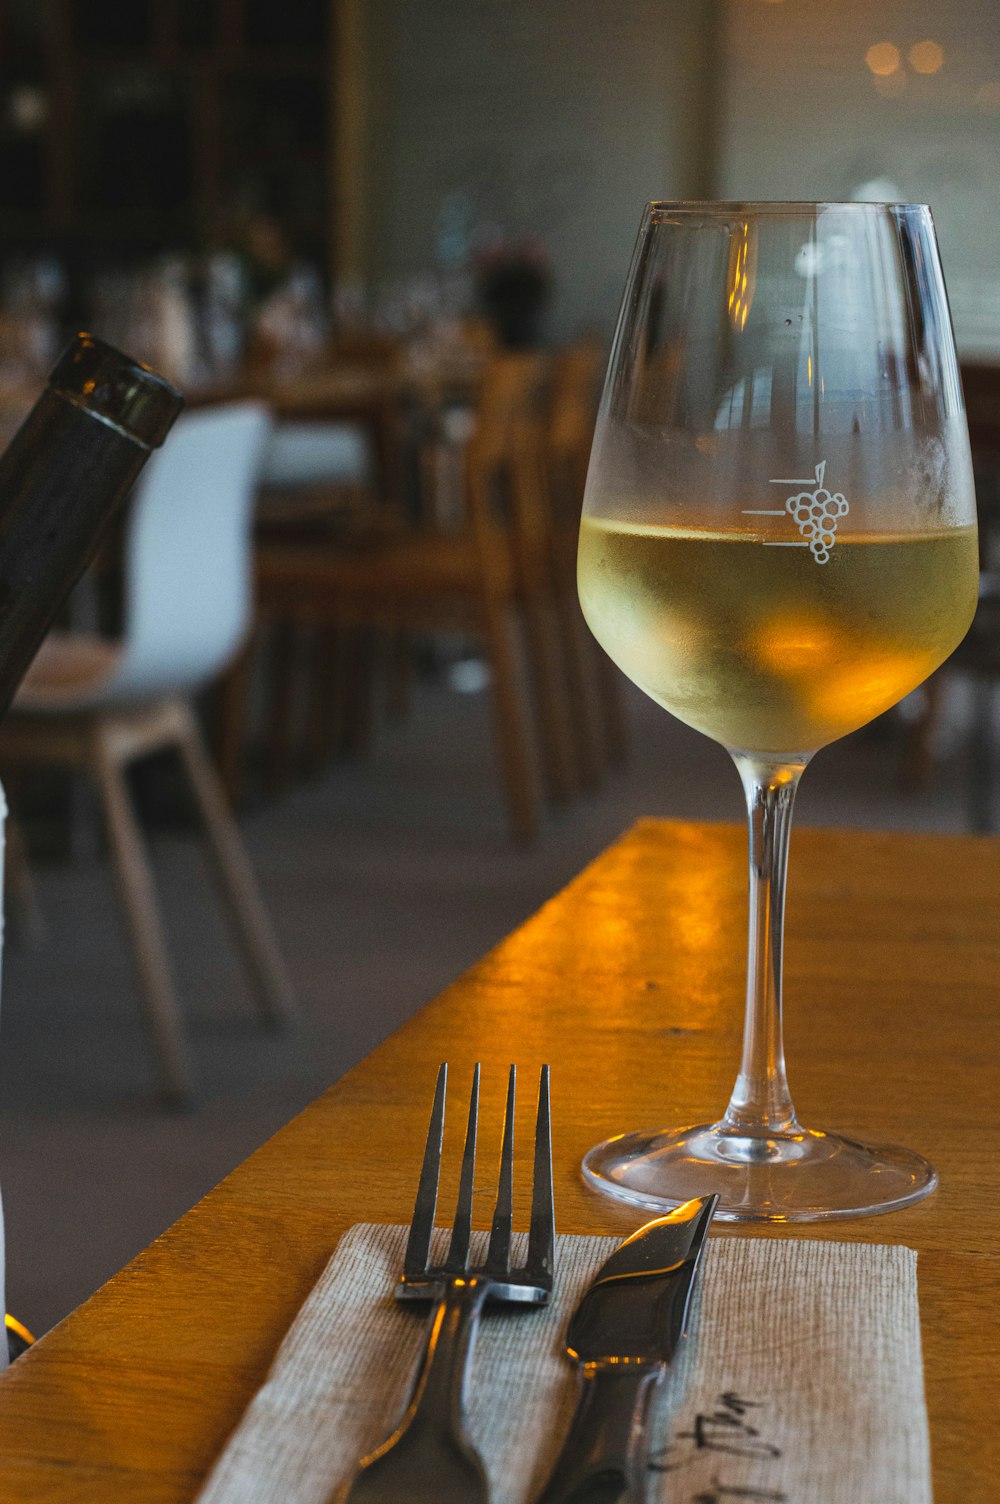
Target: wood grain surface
[(630, 983)]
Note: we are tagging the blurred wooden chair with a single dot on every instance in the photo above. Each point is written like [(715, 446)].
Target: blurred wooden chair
[(574, 393), (98, 704), (319, 473), (335, 453), (600, 733), (978, 656), (477, 572)]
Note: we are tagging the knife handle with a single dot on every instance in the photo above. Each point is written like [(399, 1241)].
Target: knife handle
[(603, 1457)]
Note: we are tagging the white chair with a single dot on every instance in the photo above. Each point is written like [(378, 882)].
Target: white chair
[(99, 704)]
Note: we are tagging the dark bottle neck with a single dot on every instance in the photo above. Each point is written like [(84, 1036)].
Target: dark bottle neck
[(62, 478)]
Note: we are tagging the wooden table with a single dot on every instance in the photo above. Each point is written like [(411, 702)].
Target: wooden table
[(630, 984)]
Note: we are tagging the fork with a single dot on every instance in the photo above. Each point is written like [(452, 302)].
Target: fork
[(430, 1458)]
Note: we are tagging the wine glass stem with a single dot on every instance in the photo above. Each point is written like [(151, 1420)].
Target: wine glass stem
[(761, 1102)]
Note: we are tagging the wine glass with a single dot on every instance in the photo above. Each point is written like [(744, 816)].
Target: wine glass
[(778, 543)]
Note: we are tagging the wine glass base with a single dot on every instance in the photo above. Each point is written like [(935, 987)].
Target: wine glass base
[(799, 1175)]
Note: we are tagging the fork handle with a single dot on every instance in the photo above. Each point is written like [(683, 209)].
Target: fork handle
[(429, 1458), (438, 1398), (604, 1454)]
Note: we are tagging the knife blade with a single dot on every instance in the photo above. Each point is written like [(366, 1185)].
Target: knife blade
[(623, 1337)]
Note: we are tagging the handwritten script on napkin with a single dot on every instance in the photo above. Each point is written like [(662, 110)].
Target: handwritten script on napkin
[(801, 1384), (733, 1429), (723, 1433)]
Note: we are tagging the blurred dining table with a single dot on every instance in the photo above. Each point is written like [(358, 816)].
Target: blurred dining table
[(630, 984), (391, 391)]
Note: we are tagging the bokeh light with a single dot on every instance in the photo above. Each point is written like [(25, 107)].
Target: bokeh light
[(882, 58), (926, 57)]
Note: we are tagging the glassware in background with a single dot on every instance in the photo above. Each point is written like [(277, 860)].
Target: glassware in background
[(31, 292), (223, 314), (408, 307), (293, 322), (152, 308), (778, 544)]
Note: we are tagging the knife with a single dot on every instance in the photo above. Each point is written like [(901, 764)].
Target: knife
[(622, 1337)]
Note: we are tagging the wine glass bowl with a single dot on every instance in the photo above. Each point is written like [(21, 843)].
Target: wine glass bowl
[(778, 543)]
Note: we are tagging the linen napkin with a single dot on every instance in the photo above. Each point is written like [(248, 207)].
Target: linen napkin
[(800, 1384)]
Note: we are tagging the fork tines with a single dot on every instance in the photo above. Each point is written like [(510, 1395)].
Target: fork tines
[(534, 1280)]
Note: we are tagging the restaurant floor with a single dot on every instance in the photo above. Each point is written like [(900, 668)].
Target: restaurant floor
[(385, 880)]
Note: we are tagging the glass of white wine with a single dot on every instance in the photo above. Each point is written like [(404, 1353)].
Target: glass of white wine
[(778, 543)]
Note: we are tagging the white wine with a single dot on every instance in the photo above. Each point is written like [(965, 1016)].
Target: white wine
[(761, 647)]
